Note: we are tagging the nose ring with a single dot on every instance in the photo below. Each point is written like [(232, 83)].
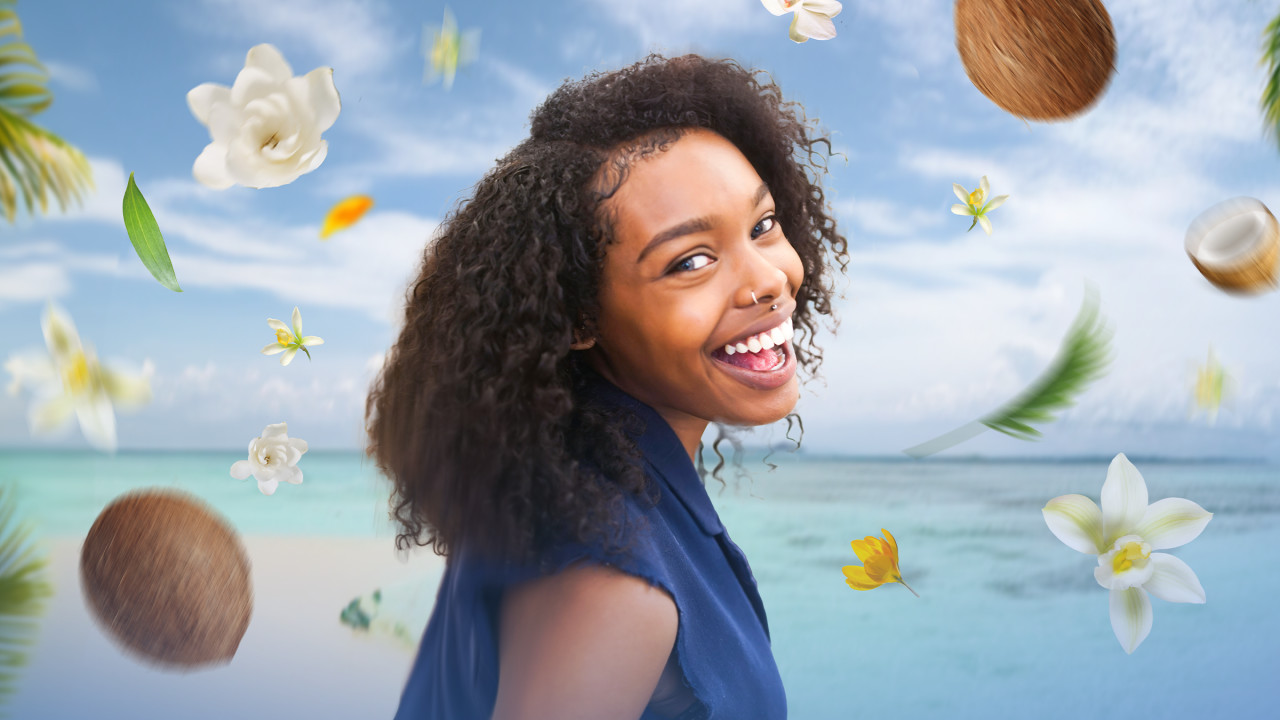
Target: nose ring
[(754, 301), (773, 307)]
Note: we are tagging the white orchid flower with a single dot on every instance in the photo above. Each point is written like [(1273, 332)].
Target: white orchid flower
[(973, 203), (290, 340), (812, 17), (273, 459), (70, 380), (266, 127), (1123, 535)]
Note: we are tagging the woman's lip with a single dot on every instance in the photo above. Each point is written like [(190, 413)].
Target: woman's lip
[(762, 379)]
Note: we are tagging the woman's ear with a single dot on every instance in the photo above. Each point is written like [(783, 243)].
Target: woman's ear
[(581, 339)]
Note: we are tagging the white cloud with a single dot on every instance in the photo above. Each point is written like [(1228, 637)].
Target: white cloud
[(366, 267), (356, 37), (73, 77), (922, 29), (672, 24), (880, 216)]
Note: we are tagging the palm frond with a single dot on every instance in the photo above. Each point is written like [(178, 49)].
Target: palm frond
[(1271, 58), (23, 591), (1082, 359), (35, 164)]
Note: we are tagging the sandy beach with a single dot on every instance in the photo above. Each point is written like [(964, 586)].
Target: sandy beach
[(296, 659)]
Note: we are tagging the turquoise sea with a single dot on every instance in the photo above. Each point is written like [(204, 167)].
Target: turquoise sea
[(1010, 623)]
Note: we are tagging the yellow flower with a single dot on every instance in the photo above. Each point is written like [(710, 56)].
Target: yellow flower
[(879, 563), (446, 49), (974, 203), (290, 340), (1211, 386)]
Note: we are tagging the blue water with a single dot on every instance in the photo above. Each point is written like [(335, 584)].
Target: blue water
[(1010, 623)]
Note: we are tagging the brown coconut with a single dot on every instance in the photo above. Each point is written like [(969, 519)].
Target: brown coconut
[(1038, 59), (1236, 246), (168, 579)]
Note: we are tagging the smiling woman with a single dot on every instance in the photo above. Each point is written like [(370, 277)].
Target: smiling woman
[(637, 269)]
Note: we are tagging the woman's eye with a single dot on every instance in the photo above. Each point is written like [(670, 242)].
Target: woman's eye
[(693, 262), (764, 226)]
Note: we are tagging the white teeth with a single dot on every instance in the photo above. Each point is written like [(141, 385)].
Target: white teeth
[(764, 341)]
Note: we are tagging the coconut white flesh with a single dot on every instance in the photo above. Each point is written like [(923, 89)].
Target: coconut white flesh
[(1231, 232)]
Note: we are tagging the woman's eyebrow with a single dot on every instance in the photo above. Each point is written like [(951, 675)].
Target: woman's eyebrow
[(698, 224)]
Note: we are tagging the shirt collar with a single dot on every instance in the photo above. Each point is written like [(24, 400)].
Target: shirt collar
[(663, 452)]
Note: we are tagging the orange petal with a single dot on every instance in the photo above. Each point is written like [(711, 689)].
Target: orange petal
[(857, 578), (345, 213)]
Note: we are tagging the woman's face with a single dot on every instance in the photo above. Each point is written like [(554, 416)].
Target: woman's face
[(695, 237)]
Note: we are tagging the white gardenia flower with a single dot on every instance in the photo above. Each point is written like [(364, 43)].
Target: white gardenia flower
[(273, 459), (1123, 535), (266, 127), (70, 380), (812, 17)]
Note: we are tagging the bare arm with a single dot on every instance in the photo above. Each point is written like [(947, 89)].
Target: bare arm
[(588, 643)]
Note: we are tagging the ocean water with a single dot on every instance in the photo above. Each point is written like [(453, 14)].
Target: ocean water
[(1010, 623)]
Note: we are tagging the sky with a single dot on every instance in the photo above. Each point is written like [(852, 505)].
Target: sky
[(937, 326)]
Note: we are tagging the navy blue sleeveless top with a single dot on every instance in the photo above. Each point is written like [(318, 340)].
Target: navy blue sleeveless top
[(722, 644)]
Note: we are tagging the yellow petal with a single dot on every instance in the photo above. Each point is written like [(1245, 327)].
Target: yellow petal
[(345, 213), (864, 549), (857, 578), (893, 544)]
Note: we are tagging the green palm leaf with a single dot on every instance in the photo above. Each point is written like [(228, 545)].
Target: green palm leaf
[(35, 164), (23, 591), (1271, 58), (1082, 359)]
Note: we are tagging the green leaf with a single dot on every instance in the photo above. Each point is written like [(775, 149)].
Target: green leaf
[(145, 235), (1082, 359), (23, 591), (1271, 58), (35, 164)]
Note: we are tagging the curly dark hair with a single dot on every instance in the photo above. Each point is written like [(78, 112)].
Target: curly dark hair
[(476, 415)]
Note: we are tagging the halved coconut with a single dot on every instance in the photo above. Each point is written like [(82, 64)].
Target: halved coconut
[(167, 578), (1236, 245), (1038, 59)]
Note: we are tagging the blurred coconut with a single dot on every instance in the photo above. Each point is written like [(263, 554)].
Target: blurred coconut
[(1038, 59), (1235, 245), (168, 578)]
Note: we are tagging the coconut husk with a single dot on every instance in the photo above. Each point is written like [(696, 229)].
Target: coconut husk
[(1037, 59), (168, 579), (1250, 274)]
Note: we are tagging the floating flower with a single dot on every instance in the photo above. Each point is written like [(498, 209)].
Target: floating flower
[(812, 17), (1123, 535), (447, 49), (71, 380), (879, 563), (273, 459), (973, 203), (290, 340), (345, 213), (266, 127), (1211, 382)]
